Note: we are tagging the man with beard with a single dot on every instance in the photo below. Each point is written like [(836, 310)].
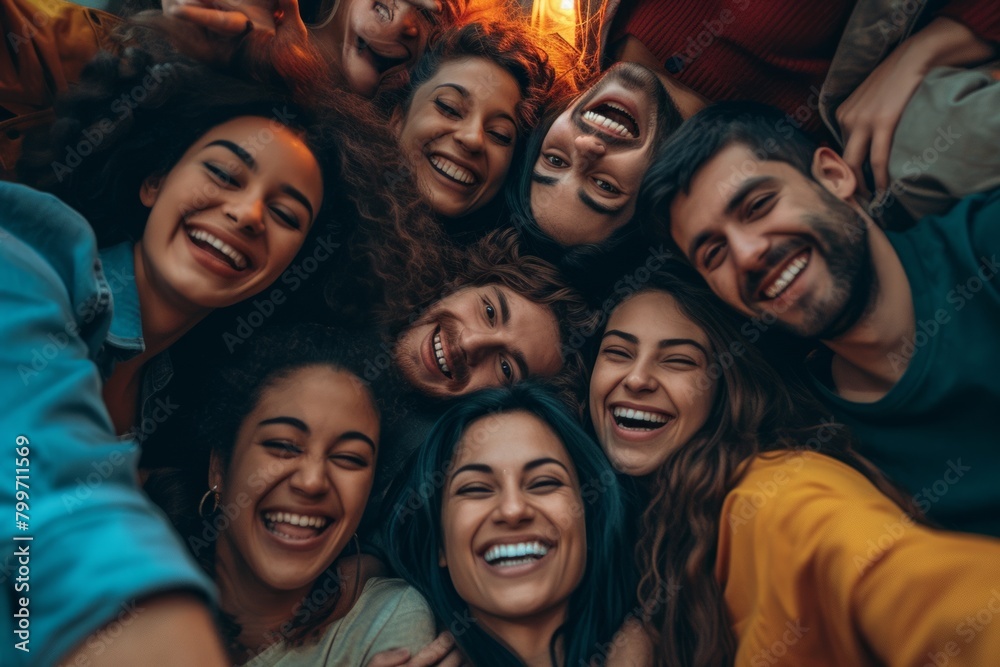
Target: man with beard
[(587, 161), (503, 317), (905, 322)]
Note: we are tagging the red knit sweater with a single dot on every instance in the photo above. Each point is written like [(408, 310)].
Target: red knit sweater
[(772, 51)]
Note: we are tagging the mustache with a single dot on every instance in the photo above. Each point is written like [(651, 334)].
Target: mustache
[(774, 257), (448, 330)]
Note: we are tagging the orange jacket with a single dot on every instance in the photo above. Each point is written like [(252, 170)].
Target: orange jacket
[(46, 45)]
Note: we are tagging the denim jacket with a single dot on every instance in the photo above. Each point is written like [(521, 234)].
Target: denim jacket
[(98, 545)]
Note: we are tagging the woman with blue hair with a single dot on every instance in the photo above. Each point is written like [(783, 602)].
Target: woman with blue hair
[(510, 524)]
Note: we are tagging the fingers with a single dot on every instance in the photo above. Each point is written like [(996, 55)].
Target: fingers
[(392, 658), (856, 152), (223, 22), (879, 160), (442, 648)]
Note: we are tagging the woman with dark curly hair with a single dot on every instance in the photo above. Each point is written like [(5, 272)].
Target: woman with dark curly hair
[(510, 524), (293, 436), (202, 190), (471, 101), (778, 543)]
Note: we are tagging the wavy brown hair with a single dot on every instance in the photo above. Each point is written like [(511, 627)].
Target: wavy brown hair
[(755, 411), (390, 245), (498, 259)]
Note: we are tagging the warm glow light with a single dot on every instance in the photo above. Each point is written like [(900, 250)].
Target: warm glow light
[(556, 16)]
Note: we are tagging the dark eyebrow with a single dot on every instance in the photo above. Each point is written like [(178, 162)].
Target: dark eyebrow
[(671, 342), (517, 355), (504, 305), (537, 463), (593, 205), (666, 342), (542, 179), (244, 157), (734, 203), (460, 89), (482, 467), (302, 426), (248, 160), (473, 467), (291, 421), (295, 194), (621, 334), (357, 435), (465, 95)]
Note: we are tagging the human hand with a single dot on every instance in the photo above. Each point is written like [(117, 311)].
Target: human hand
[(441, 652), (224, 18), (868, 118)]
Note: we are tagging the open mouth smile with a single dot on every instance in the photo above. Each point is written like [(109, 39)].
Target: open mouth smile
[(452, 171), (639, 421), (514, 556), (295, 527), (219, 249), (783, 277), (439, 355), (613, 117)]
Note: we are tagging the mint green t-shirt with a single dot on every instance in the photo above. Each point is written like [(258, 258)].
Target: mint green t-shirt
[(937, 432)]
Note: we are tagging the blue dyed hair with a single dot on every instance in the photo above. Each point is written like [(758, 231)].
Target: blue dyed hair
[(597, 607)]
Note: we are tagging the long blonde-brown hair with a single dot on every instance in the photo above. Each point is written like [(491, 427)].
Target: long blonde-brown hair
[(755, 410)]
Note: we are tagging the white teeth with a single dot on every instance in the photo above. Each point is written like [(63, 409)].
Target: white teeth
[(640, 415), (786, 277), (452, 170), (239, 260), (604, 121), (523, 552), (317, 522), (439, 353)]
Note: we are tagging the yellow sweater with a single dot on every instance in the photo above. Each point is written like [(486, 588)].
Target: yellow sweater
[(820, 568)]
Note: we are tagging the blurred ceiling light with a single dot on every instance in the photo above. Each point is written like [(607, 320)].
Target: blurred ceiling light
[(559, 17)]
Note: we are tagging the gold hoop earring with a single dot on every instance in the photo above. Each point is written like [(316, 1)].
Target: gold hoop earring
[(214, 492)]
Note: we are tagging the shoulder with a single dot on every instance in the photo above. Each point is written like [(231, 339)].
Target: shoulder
[(392, 596), (41, 219), (797, 491)]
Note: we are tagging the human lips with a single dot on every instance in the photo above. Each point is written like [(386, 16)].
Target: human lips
[(632, 421), (515, 555), (779, 279), (610, 115), (296, 529), (459, 172), (219, 248)]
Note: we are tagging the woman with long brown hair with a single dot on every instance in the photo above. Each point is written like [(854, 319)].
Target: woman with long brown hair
[(766, 539)]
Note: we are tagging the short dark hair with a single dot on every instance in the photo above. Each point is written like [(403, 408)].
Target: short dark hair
[(766, 131), (414, 532)]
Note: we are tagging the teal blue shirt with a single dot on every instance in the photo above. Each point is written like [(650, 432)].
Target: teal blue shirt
[(937, 431), (98, 545)]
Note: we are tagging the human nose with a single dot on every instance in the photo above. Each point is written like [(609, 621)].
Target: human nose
[(478, 345), (407, 16), (748, 247), (469, 134), (513, 507), (589, 148), (639, 379), (247, 212), (310, 477)]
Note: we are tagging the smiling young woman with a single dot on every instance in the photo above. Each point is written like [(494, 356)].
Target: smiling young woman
[(292, 437), (517, 543), (470, 103), (781, 540), (200, 197)]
